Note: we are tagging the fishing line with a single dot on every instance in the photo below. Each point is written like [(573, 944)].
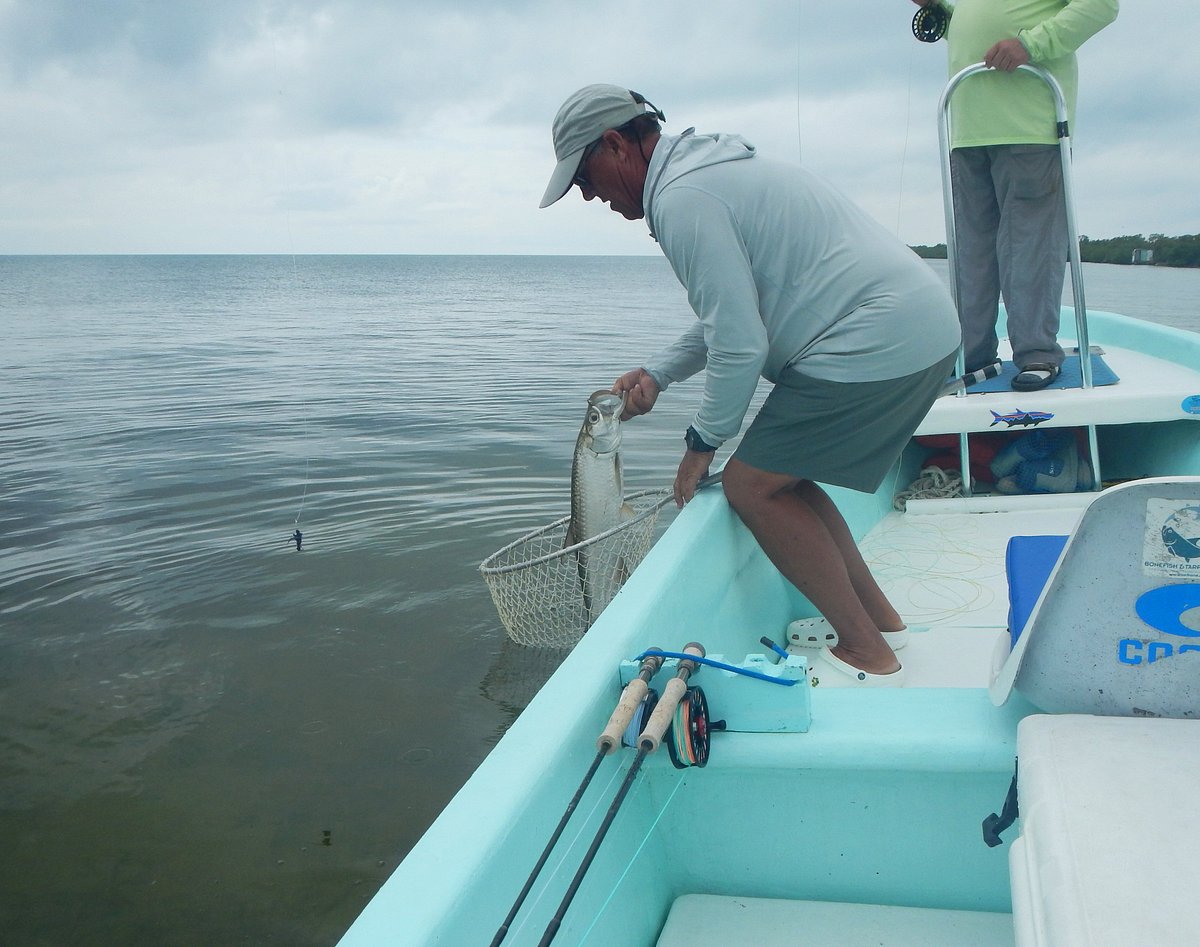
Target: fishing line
[(641, 716), (648, 742), (937, 576), (690, 730), (928, 25), (904, 148), (799, 66), (631, 706), (601, 798), (633, 858), (297, 536)]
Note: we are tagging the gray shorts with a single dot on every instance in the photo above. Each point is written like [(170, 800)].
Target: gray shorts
[(846, 434)]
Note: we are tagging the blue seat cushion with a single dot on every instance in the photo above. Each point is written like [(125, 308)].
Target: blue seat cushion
[(1028, 561)]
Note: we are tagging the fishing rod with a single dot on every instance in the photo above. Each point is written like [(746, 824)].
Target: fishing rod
[(635, 692), (647, 743)]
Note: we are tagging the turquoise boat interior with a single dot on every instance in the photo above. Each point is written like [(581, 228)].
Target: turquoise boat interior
[(847, 816)]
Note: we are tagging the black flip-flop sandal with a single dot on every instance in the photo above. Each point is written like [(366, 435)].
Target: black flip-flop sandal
[(1035, 377)]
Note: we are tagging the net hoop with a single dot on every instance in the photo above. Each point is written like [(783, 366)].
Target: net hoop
[(598, 538), (536, 580)]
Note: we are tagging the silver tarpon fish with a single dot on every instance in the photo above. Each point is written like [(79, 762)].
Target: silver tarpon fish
[(598, 499)]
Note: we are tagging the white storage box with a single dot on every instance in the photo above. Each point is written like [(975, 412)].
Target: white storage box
[(1110, 832)]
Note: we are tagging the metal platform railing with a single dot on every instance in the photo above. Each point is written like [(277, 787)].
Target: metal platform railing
[(1062, 132)]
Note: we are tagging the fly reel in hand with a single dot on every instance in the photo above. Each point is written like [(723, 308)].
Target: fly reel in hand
[(929, 23)]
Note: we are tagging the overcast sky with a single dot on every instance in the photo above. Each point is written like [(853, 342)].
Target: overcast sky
[(390, 126)]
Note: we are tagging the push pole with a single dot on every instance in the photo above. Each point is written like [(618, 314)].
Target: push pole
[(631, 697), (648, 742)]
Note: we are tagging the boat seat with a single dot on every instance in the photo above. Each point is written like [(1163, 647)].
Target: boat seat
[(1113, 619), (1108, 835), (1028, 562)]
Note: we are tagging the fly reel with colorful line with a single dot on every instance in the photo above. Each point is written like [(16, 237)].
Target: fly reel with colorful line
[(687, 740)]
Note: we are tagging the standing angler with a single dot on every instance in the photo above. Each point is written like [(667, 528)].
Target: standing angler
[(789, 281), (598, 500), (1010, 215)]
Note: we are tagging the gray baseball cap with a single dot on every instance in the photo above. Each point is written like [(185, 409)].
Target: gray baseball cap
[(583, 118)]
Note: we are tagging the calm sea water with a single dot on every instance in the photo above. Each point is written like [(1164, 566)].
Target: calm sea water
[(207, 737)]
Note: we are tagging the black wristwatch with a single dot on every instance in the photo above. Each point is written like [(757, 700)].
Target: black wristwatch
[(695, 442)]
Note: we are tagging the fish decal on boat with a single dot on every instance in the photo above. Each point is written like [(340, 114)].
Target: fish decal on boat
[(598, 499), (1181, 533), (1021, 418)]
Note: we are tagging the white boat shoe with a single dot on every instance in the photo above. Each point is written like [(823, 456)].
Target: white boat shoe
[(826, 669), (818, 633)]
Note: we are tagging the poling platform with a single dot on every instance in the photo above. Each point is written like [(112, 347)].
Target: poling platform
[(1149, 389)]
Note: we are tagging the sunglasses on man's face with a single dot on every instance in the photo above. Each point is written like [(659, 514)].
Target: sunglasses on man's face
[(580, 176)]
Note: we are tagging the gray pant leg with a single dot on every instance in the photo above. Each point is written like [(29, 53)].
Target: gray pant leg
[(1031, 247), (977, 272)]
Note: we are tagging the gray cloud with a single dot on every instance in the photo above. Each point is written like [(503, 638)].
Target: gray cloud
[(373, 126)]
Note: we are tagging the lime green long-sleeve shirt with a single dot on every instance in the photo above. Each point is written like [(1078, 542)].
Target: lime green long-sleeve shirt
[(1002, 108)]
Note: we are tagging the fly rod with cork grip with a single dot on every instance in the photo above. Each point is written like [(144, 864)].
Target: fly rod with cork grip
[(649, 740), (633, 697)]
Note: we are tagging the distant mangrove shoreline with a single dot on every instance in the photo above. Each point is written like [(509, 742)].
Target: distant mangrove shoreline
[(1154, 250)]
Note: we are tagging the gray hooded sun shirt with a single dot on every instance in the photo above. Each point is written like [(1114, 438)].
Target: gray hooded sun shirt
[(784, 274)]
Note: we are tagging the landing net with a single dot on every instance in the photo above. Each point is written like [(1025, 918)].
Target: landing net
[(548, 593)]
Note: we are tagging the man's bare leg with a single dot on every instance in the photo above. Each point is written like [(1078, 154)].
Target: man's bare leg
[(803, 534), (882, 612)]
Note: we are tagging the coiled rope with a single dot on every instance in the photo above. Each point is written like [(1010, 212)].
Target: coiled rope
[(933, 484)]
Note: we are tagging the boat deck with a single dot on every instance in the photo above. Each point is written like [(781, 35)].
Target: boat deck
[(941, 564)]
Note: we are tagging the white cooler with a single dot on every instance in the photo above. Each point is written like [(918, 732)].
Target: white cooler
[(1109, 851)]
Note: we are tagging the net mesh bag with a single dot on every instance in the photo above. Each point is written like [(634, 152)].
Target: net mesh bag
[(548, 593)]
